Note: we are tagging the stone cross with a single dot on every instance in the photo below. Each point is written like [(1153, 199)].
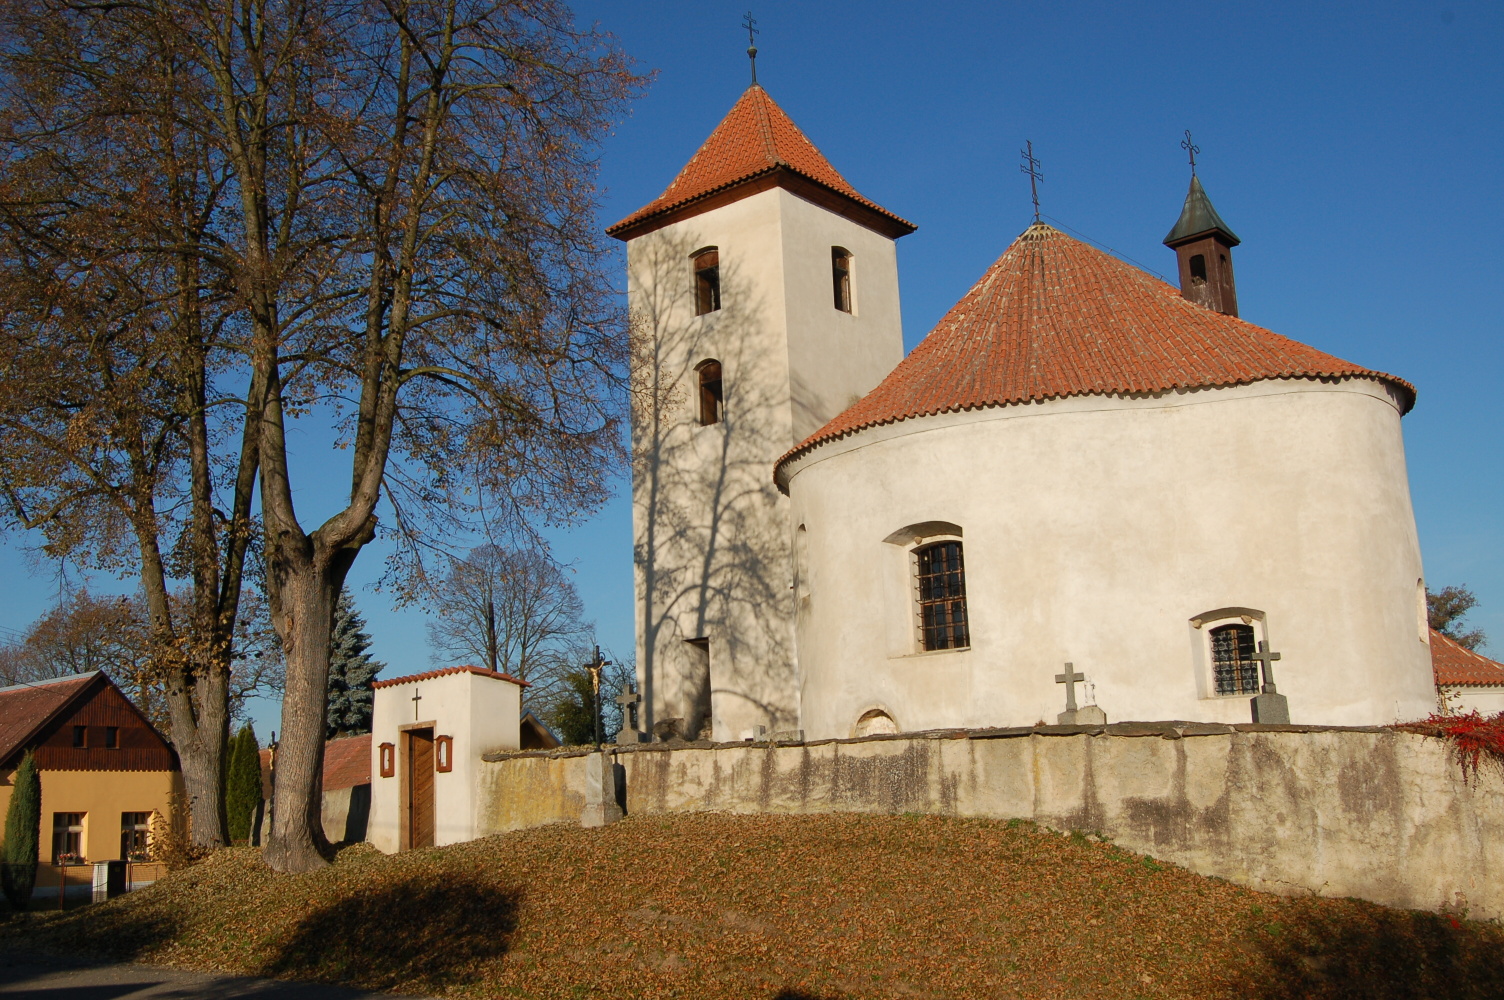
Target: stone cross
[(416, 698), (1265, 657), (1069, 679), (628, 700)]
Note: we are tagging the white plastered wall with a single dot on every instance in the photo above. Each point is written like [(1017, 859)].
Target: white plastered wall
[(1095, 529), (480, 712), (711, 531)]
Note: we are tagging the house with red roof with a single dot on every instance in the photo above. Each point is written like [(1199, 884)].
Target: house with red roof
[(1086, 494), (106, 772), (1466, 681)]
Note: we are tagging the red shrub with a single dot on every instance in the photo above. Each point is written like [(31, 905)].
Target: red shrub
[(1476, 739)]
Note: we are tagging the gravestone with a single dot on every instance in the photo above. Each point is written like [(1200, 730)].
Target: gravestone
[(1089, 715), (1269, 706), (602, 802), (629, 733)]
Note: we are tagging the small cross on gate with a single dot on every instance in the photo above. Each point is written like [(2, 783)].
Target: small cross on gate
[(1030, 166), (747, 22), (628, 700), (1192, 149), (1264, 657), (1069, 679), (416, 698)]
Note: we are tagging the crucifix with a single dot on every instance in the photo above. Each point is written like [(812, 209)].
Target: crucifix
[(628, 700), (595, 667), (1192, 149), (1069, 679), (416, 698), (747, 22), (1266, 658), (1030, 166)]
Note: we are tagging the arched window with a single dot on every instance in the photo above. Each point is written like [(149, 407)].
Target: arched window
[(1234, 669), (707, 281), (710, 392), (840, 277), (874, 722), (941, 579)]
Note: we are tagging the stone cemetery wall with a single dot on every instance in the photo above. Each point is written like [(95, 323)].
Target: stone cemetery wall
[(1370, 813)]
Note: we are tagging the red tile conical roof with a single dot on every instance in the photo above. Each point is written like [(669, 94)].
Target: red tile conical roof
[(755, 138), (1054, 317)]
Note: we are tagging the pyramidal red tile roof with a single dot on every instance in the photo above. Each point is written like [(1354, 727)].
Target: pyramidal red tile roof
[(1054, 317), (1457, 666), (754, 139), (429, 675)]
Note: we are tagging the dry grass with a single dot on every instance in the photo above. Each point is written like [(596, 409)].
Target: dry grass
[(779, 907)]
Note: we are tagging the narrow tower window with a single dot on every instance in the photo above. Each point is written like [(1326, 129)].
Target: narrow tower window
[(1198, 269), (710, 392), (840, 276), (942, 596), (707, 281)]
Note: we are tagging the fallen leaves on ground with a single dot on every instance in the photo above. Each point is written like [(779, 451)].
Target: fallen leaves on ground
[(778, 908)]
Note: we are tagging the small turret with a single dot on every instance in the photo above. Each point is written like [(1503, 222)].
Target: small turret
[(1203, 246)]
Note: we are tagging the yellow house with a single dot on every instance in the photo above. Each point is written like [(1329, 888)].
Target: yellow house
[(105, 770)]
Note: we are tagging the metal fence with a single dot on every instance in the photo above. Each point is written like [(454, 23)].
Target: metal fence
[(61, 886)]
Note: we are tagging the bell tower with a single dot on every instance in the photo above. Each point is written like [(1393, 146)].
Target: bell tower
[(1203, 248), (764, 297)]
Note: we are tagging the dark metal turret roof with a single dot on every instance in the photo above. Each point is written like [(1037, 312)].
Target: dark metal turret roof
[(1198, 217)]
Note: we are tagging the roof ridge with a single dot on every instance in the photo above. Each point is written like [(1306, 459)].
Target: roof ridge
[(48, 681)]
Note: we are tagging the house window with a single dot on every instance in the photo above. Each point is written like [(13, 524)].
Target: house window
[(112, 737), (707, 281), (709, 373), (941, 577), (67, 838), (840, 277), (80, 737), (1234, 669), (134, 828)]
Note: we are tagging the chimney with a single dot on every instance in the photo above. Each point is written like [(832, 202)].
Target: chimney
[(1203, 247)]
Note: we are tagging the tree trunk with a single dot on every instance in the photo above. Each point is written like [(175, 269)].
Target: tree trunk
[(307, 593), (201, 752)]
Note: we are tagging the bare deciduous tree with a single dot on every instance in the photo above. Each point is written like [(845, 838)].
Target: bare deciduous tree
[(512, 610)]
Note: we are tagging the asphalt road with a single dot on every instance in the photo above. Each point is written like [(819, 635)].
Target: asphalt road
[(37, 977)]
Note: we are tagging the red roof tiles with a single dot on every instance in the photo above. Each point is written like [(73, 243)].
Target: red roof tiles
[(347, 762), (26, 708), (429, 675), (1457, 666), (754, 139), (1054, 317)]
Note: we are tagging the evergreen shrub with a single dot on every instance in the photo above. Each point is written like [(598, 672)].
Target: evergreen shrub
[(23, 833), (243, 784)]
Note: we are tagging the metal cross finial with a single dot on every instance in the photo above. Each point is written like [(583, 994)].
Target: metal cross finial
[(1192, 149), (1069, 679), (416, 698), (1031, 167), (748, 22)]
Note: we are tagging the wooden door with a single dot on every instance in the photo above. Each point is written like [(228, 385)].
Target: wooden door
[(420, 788)]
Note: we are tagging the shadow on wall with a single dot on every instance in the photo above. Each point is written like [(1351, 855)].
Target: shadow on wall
[(712, 540), (1312, 952)]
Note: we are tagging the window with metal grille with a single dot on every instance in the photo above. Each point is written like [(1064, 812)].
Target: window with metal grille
[(707, 281), (1233, 665), (942, 596), (710, 392), (840, 276), (67, 836), (134, 828)]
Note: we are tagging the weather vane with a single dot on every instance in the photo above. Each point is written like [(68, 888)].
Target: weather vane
[(749, 22), (1030, 166), (1192, 149)]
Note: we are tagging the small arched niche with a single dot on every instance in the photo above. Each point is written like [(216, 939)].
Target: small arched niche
[(923, 531), (874, 722)]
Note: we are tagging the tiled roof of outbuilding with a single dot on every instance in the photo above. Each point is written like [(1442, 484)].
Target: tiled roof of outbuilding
[(429, 675), (756, 137), (1054, 317), (1457, 666), (347, 762)]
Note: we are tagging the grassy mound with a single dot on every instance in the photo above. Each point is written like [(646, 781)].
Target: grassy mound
[(778, 907)]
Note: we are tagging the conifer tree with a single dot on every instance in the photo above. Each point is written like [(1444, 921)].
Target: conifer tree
[(23, 830), (351, 672), (243, 784)]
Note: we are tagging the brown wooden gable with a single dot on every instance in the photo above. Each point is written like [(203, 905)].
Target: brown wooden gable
[(98, 708)]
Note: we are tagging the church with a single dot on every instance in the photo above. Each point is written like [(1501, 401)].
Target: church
[(1084, 489)]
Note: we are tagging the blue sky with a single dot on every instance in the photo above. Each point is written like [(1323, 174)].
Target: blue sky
[(1355, 149)]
